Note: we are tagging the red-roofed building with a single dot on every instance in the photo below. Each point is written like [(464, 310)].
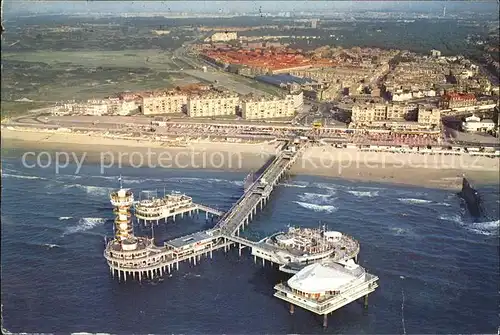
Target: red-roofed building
[(455, 100)]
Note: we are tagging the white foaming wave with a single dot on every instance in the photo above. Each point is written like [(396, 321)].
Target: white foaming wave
[(452, 217), (9, 170), (84, 224), (317, 208), (61, 218), (443, 204), (400, 231), (487, 228), (91, 190), (293, 185), (68, 176), (315, 198), (206, 180), (329, 187), (369, 194), (414, 201), (238, 182), (484, 228), (50, 246), (18, 176)]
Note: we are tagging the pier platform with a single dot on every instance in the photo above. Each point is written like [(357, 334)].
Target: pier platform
[(157, 213)]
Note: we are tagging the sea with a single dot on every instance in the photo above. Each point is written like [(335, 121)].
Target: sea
[(438, 268)]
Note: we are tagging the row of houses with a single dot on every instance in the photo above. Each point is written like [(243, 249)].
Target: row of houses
[(200, 101), (365, 114)]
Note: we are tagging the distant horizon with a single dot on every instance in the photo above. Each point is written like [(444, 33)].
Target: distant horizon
[(35, 7)]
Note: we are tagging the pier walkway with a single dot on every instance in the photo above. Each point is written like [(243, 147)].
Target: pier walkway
[(258, 193)]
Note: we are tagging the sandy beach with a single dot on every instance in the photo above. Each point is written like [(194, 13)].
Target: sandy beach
[(434, 171)]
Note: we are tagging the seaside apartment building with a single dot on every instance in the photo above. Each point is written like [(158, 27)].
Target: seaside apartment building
[(214, 104), (163, 104), (366, 113), (253, 109), (429, 115)]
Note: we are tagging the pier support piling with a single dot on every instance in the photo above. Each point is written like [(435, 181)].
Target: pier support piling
[(325, 320), (366, 301), (291, 309)]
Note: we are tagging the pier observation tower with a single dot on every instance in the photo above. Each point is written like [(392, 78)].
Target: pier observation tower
[(122, 200), (126, 254)]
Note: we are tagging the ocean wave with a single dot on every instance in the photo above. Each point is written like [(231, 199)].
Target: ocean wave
[(399, 231), (84, 224), (91, 190), (315, 198), (317, 208), (331, 188), (484, 228), (18, 176), (237, 182), (414, 201), (65, 218), (205, 180), (293, 185), (50, 246), (457, 218), (364, 193), (443, 204)]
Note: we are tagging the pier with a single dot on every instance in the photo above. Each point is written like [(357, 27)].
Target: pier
[(137, 258), (155, 214), (257, 194)]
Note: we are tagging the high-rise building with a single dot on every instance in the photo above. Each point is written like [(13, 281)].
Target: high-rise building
[(253, 109), (215, 104), (163, 104)]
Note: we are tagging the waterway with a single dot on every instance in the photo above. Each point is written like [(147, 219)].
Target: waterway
[(438, 268)]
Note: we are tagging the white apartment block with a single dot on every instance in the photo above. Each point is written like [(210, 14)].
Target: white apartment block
[(400, 111), (167, 104), (224, 36), (92, 107), (210, 106), (435, 53), (429, 115), (298, 99), (368, 113), (267, 109), (363, 113)]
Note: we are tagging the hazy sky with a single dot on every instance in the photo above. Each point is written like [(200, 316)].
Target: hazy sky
[(13, 7)]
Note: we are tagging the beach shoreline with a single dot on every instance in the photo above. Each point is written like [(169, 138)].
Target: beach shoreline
[(432, 171)]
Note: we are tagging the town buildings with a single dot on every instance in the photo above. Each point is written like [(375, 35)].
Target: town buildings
[(212, 104), (429, 115), (370, 112), (252, 109), (166, 103), (98, 107), (223, 36), (435, 53), (454, 100), (475, 124)]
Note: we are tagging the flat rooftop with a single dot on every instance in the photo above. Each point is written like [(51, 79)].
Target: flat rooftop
[(189, 239)]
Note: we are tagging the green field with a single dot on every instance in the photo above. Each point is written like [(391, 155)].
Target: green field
[(153, 59), (47, 77), (15, 108)]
